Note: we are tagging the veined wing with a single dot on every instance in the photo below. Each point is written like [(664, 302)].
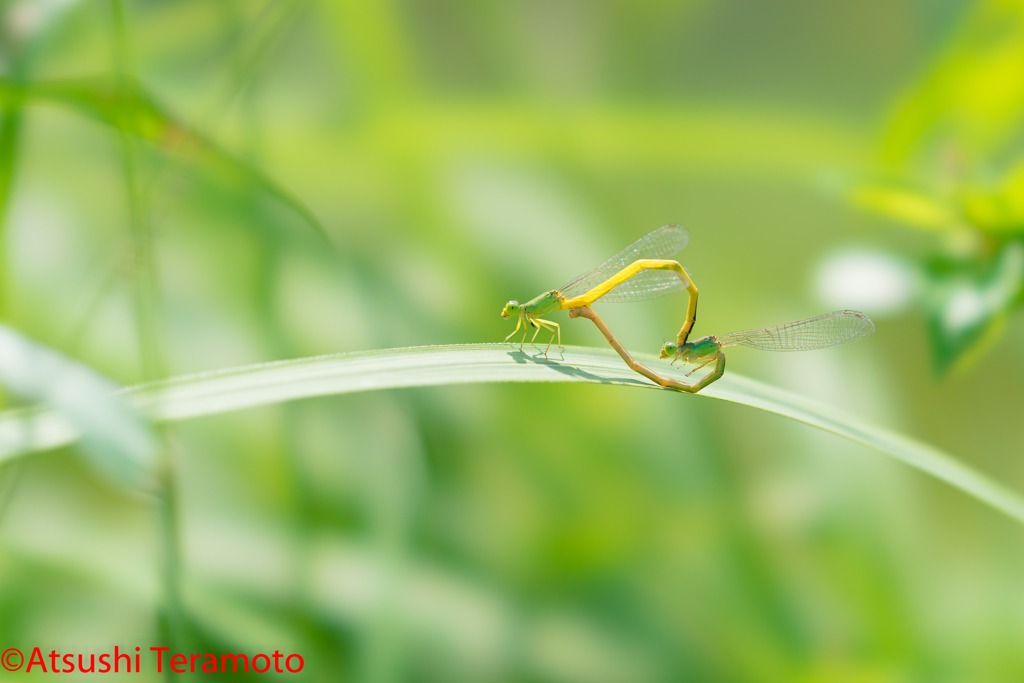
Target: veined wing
[(662, 243), (647, 284), (831, 329)]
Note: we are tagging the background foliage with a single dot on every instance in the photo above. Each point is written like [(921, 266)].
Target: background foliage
[(193, 185)]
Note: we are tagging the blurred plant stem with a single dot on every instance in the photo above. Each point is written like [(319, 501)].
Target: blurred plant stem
[(252, 50), (171, 620), (10, 135), (9, 476), (10, 132), (147, 313)]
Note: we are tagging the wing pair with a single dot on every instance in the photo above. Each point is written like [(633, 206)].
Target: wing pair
[(831, 329)]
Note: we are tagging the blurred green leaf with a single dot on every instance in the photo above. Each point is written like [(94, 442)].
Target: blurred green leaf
[(116, 439), (124, 105), (966, 309), (972, 99), (995, 208), (258, 385), (905, 204), (955, 144), (957, 129), (998, 208)]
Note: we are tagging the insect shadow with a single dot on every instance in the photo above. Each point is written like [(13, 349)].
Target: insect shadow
[(571, 370)]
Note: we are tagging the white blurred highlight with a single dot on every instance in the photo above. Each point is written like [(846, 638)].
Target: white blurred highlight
[(876, 283), (971, 305), (28, 17), (966, 308)]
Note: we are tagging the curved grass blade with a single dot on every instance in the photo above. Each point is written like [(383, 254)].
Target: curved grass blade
[(259, 385), (83, 406)]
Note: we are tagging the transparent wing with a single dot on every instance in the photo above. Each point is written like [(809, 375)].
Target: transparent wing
[(647, 284), (663, 243), (831, 329)]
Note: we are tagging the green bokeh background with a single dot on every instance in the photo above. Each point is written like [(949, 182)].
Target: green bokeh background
[(160, 164)]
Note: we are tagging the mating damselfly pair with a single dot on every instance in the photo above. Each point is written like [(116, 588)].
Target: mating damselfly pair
[(644, 270)]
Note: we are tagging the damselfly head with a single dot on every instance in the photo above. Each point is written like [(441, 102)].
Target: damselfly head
[(668, 350), (511, 309)]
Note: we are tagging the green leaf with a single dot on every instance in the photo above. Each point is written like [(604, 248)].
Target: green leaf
[(127, 107), (83, 405), (971, 100), (966, 308), (259, 385), (905, 204), (998, 208)]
